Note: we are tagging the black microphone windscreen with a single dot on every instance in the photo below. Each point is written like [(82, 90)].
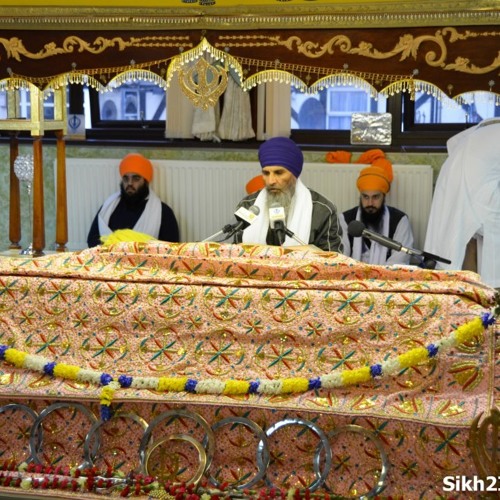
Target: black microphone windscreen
[(355, 228), (254, 209)]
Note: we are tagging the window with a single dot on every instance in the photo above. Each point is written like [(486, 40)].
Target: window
[(427, 121), (331, 109), (23, 105), (138, 111), (473, 108), (133, 111), (133, 101)]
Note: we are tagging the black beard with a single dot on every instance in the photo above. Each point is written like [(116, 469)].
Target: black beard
[(133, 199), (372, 219)]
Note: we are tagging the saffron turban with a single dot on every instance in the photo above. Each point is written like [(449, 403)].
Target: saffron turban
[(281, 152), (375, 178), (135, 163)]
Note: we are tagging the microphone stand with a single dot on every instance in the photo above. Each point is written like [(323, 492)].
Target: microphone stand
[(279, 235), (357, 229), (224, 230), (429, 260), (296, 238)]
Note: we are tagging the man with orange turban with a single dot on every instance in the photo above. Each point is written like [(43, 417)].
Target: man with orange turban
[(374, 182), (136, 206)]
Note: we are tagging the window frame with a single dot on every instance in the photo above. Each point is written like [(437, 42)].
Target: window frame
[(406, 135), (121, 130)]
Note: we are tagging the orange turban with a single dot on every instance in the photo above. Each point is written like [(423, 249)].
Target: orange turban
[(375, 178), (371, 156), (135, 163), (338, 157)]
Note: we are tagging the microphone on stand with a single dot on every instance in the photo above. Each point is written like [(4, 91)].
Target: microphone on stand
[(356, 229), (244, 216), (277, 222), (277, 219)]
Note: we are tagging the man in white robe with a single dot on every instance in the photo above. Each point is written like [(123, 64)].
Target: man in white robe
[(466, 202)]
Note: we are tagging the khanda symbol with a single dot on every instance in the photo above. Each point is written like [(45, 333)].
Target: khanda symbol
[(203, 83)]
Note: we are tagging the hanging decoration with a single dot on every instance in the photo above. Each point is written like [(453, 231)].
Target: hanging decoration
[(203, 83), (447, 62)]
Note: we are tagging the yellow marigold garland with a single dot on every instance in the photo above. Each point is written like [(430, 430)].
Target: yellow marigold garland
[(17, 358), (69, 372), (293, 385)]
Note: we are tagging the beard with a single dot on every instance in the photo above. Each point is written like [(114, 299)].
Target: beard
[(280, 199), (134, 198), (372, 218)]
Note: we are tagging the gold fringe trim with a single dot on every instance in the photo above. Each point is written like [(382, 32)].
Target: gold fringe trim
[(271, 71)]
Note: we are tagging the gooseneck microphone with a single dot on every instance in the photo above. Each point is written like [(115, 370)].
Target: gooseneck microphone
[(244, 216), (356, 229), (277, 219)]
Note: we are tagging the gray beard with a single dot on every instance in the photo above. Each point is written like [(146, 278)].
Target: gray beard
[(281, 199)]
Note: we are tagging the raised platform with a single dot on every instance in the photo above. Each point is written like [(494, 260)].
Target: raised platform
[(242, 367)]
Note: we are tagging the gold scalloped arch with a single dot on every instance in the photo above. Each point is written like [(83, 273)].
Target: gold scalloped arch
[(223, 62)]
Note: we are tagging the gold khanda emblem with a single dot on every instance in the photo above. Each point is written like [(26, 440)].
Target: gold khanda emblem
[(203, 83)]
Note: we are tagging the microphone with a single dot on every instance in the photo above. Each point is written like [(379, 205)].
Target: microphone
[(277, 219), (356, 228), (244, 216)]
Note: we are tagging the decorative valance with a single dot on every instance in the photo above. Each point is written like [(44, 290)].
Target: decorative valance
[(449, 60)]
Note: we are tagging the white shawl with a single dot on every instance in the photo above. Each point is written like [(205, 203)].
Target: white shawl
[(298, 218), (149, 222)]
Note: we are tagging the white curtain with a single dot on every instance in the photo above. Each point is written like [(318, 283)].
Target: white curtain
[(180, 111), (206, 123), (236, 119), (273, 114), (275, 110)]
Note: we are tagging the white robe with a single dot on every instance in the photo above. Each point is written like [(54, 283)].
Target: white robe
[(466, 201), (377, 253)]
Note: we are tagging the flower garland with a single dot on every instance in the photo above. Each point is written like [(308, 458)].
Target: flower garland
[(58, 478), (296, 385), (43, 477)]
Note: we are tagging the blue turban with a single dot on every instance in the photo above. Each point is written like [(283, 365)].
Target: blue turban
[(281, 152)]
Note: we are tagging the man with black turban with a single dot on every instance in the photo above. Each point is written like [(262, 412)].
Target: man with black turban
[(309, 216)]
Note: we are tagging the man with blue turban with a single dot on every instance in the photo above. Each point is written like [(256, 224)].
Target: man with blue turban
[(308, 216)]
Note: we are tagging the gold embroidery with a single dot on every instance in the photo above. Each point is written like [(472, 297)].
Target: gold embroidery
[(15, 47)]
